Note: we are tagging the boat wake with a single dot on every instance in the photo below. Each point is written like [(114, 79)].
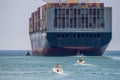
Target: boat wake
[(85, 64), (65, 73)]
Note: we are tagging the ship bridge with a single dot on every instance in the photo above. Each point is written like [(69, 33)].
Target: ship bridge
[(71, 1)]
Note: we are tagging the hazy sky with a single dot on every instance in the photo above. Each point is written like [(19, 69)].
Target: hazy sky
[(14, 23)]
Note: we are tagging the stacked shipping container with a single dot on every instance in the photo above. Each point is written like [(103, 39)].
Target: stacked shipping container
[(84, 15), (37, 20), (69, 15)]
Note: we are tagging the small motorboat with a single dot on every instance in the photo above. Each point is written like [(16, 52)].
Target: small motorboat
[(80, 62), (57, 70)]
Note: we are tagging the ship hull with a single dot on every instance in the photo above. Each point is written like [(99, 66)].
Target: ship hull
[(69, 52), (45, 44)]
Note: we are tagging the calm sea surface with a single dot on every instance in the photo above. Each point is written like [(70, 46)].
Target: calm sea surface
[(15, 66)]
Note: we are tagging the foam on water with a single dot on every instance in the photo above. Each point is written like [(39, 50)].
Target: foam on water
[(85, 64), (63, 73)]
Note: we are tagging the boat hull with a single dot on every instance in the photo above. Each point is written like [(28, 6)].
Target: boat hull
[(68, 52), (45, 45)]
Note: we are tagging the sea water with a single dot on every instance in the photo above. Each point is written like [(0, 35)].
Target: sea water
[(14, 65)]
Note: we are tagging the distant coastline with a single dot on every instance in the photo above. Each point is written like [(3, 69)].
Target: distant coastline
[(13, 52)]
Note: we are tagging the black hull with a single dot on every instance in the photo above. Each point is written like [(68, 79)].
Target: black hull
[(49, 44)]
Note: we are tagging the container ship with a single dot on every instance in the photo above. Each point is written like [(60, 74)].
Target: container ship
[(70, 28)]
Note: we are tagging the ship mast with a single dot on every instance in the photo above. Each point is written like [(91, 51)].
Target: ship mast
[(71, 1)]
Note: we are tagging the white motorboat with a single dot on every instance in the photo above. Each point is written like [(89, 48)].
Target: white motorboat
[(57, 70), (80, 62)]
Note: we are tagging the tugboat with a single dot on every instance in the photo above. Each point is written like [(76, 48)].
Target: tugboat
[(28, 53)]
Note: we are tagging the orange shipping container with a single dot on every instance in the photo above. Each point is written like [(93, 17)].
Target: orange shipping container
[(72, 1)]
